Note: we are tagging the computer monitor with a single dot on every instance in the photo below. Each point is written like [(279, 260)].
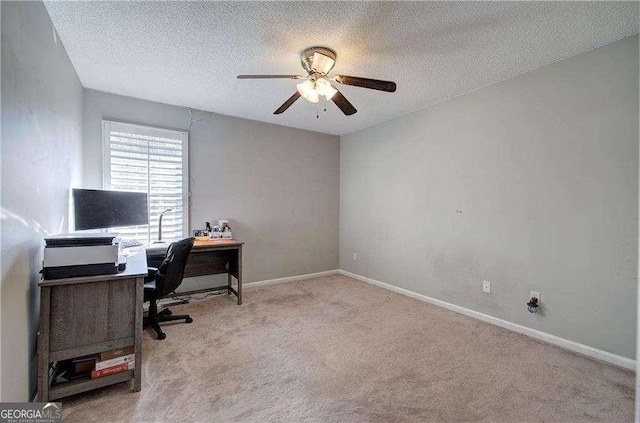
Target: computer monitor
[(99, 209)]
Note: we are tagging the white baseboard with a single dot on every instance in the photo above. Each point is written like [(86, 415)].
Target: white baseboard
[(250, 285), (615, 359)]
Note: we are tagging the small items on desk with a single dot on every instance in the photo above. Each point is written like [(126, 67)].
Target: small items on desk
[(222, 230)]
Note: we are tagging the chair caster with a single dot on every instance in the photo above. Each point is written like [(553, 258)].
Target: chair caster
[(162, 335), (189, 320)]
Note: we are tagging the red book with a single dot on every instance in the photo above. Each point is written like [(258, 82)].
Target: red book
[(112, 370)]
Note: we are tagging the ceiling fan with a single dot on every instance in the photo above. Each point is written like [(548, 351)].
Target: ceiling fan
[(318, 62)]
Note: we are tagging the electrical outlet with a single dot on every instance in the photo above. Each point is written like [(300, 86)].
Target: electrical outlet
[(535, 294), (486, 287), (355, 256)]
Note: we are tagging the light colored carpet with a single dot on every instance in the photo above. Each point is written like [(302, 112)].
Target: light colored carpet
[(335, 349)]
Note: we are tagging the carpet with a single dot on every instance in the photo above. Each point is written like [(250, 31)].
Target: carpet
[(334, 349)]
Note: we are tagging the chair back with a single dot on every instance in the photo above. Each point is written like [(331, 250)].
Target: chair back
[(171, 270)]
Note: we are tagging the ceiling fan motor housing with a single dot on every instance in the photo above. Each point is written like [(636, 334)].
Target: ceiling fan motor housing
[(318, 60)]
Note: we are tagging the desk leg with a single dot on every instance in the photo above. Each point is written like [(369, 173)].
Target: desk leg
[(43, 344), (228, 283), (137, 371), (240, 275)]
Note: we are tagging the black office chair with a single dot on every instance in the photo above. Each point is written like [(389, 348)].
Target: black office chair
[(165, 280)]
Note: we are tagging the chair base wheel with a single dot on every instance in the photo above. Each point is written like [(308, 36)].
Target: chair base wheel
[(154, 319)]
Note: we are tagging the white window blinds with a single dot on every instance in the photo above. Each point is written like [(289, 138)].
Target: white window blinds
[(151, 160)]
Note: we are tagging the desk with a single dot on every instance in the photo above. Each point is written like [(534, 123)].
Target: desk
[(89, 315), (209, 257)]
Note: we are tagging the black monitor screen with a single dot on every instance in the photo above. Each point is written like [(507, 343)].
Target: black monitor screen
[(96, 209)]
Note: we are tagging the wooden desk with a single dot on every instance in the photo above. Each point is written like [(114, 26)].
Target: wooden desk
[(89, 315), (209, 257)]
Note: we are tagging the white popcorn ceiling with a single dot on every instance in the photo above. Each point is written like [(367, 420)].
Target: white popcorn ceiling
[(189, 53)]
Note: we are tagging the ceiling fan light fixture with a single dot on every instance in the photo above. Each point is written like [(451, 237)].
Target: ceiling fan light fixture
[(330, 92), (313, 96), (322, 86), (307, 90), (322, 63)]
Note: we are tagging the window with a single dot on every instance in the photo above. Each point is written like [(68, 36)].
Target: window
[(143, 159)]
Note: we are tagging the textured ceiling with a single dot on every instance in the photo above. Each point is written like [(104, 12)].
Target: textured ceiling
[(189, 53)]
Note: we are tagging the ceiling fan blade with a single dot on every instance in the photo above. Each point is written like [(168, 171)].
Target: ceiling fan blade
[(287, 103), (374, 84), (344, 104), (270, 77)]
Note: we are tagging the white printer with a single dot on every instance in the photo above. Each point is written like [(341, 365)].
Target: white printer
[(74, 255)]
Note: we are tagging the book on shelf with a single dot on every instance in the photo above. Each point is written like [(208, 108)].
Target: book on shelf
[(83, 365), (129, 365), (101, 365), (117, 352)]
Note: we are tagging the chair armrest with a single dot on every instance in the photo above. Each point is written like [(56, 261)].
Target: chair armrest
[(153, 272)]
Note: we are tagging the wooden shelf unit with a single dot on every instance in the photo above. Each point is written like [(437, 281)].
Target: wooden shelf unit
[(90, 315)]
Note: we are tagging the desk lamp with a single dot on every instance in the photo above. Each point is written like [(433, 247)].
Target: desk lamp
[(160, 225)]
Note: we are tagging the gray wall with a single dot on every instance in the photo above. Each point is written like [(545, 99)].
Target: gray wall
[(531, 183), (41, 151), (279, 186)]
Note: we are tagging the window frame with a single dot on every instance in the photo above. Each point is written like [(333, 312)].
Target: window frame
[(153, 131)]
